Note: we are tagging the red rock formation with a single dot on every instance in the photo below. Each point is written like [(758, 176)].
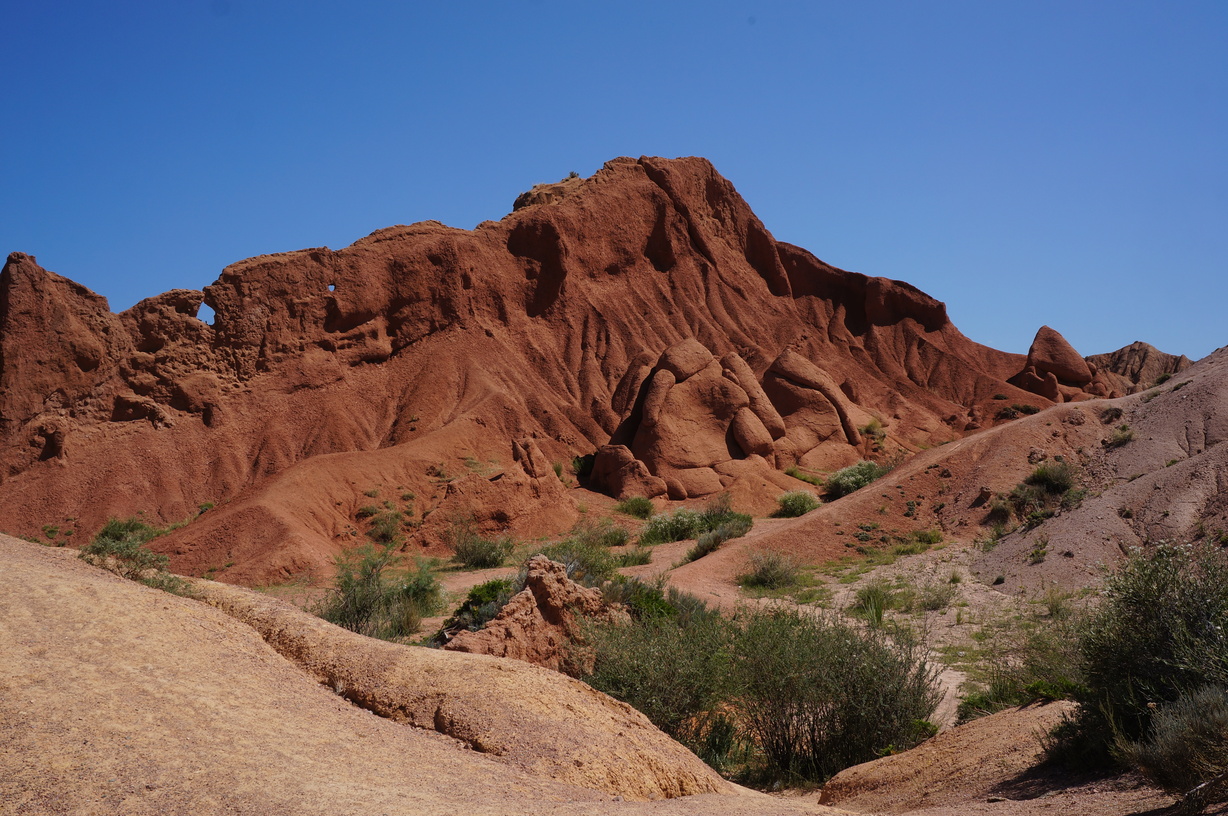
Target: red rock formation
[(644, 307), (540, 623)]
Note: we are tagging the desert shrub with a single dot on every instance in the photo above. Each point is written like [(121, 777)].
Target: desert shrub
[(1038, 663), (385, 527), (685, 523), (604, 533), (1024, 408), (819, 695), (795, 503), (1007, 412), (1054, 477), (798, 473), (481, 604), (872, 600), (366, 599), (121, 547), (473, 550), (1187, 745), (1160, 633), (1163, 378), (770, 570), (1110, 415), (587, 562), (1120, 436), (636, 506), (1050, 486), (634, 557), (854, 477), (672, 668), (712, 540), (676, 526)]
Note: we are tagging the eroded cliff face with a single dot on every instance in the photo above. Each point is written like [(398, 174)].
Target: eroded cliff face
[(644, 311)]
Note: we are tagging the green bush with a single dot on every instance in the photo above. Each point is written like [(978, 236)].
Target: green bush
[(482, 604), (1050, 486), (604, 533), (685, 523), (674, 670), (1187, 744), (819, 695), (873, 599), (586, 562), (121, 547), (366, 599), (712, 540), (1037, 663), (472, 550), (1120, 436), (854, 477), (1158, 635), (795, 503), (636, 506), (770, 570)]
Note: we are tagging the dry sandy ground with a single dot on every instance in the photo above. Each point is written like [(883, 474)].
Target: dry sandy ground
[(119, 699)]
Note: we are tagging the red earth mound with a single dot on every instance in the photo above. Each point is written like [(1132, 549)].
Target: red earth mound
[(643, 314)]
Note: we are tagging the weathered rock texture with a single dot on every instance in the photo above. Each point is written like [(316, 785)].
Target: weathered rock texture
[(644, 308), (118, 698), (540, 624)]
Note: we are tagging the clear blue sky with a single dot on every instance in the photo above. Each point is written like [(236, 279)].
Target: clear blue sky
[(1025, 162)]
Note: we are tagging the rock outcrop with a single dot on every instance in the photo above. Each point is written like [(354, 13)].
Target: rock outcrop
[(644, 311), (541, 623)]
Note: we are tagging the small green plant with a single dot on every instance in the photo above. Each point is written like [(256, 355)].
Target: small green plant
[(1163, 378), (1024, 408), (636, 506), (472, 550), (873, 599), (481, 605), (770, 570), (1121, 435), (121, 546), (797, 473), (1007, 412), (795, 503), (366, 599), (710, 541), (685, 523), (1110, 415), (634, 557), (1040, 549), (854, 477)]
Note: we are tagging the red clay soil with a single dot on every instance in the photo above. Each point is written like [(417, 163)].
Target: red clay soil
[(644, 312)]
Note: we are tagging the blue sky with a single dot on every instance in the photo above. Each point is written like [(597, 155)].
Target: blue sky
[(1028, 163)]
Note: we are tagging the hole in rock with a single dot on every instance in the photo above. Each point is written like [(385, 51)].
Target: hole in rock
[(205, 314)]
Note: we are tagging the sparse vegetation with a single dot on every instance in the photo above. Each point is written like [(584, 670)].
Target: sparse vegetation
[(761, 696), (1121, 435), (121, 546), (472, 550), (770, 570), (854, 477), (1156, 642), (366, 599), (710, 541), (795, 503), (482, 604), (798, 473), (1051, 486), (685, 523), (636, 506)]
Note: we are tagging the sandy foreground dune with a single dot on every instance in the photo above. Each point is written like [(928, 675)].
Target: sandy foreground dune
[(119, 699)]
